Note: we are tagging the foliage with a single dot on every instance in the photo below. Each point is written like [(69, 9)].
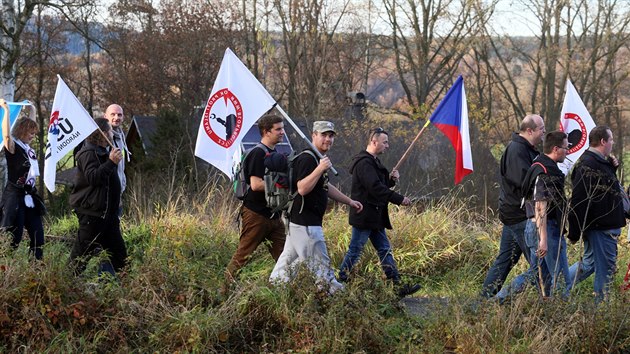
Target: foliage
[(168, 298)]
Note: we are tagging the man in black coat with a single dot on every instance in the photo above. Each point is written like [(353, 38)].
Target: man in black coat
[(516, 160), (596, 211), (371, 183)]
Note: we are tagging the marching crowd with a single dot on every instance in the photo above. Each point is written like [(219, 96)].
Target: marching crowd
[(533, 206)]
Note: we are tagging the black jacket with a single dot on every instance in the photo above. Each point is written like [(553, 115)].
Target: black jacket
[(596, 199), (516, 160), (371, 186), (96, 188)]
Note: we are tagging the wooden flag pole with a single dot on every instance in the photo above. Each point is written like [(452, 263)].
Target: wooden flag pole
[(106, 138), (404, 156)]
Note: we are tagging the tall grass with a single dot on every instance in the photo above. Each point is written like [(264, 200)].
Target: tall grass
[(179, 245)]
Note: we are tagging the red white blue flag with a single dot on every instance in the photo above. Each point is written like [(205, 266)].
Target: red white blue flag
[(451, 117)]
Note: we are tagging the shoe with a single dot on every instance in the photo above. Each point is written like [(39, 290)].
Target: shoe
[(408, 289)]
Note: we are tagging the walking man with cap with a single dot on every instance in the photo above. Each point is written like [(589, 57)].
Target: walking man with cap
[(305, 241)]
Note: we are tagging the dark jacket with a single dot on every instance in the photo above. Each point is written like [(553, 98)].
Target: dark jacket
[(96, 188), (371, 186), (516, 160), (546, 171), (596, 198)]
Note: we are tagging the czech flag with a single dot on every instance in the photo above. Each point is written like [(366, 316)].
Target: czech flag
[(451, 117)]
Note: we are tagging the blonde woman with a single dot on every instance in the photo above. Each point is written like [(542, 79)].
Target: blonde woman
[(21, 206)]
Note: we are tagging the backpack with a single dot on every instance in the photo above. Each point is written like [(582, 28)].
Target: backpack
[(240, 185), (278, 179)]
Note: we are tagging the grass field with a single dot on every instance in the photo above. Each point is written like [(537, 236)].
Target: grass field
[(168, 299)]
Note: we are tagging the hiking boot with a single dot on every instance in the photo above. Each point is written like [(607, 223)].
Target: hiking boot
[(408, 289)]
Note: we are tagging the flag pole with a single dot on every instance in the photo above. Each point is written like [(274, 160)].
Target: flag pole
[(404, 156), (107, 138), (299, 131)]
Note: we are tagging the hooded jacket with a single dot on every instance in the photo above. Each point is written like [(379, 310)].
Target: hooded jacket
[(371, 186), (96, 188), (516, 160), (596, 202)]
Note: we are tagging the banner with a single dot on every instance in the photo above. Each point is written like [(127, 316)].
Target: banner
[(577, 123), (69, 125), (451, 117), (14, 112), (236, 102)]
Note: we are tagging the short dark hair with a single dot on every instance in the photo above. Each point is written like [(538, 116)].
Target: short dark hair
[(375, 133), (554, 138), (96, 137), (266, 122), (597, 134)]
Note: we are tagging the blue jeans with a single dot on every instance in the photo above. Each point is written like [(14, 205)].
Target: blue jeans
[(556, 257), (530, 276), (600, 257), (383, 249), (510, 249)]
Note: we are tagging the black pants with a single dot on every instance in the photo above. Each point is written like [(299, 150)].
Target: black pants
[(95, 235)]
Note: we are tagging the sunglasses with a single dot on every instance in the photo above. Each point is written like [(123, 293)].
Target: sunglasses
[(377, 131)]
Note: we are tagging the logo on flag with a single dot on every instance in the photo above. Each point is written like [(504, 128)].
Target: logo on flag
[(230, 124), (577, 123), (236, 102), (451, 117), (69, 124)]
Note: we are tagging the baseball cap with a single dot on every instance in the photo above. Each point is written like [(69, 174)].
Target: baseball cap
[(323, 126)]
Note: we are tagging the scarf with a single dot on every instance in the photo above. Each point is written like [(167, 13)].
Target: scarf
[(33, 171)]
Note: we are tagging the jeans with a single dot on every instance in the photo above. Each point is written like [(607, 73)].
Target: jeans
[(379, 240), (30, 219), (531, 275), (510, 249), (305, 244), (600, 257), (556, 257)]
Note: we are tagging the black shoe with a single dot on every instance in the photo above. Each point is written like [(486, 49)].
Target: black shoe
[(408, 289)]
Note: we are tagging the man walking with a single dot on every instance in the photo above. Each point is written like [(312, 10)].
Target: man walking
[(545, 205), (258, 223), (305, 242), (516, 160), (597, 213), (371, 183)]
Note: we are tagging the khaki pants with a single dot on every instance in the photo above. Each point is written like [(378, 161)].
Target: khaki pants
[(255, 229)]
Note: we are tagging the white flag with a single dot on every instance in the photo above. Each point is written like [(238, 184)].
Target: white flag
[(237, 101), (69, 124), (577, 123)]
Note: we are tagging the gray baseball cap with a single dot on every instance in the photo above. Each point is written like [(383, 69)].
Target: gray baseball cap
[(323, 126)]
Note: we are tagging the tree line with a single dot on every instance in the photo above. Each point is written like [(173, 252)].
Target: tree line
[(161, 58)]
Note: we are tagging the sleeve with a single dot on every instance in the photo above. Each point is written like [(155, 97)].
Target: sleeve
[(255, 163), (368, 178), (96, 173), (541, 190), (516, 165), (305, 164)]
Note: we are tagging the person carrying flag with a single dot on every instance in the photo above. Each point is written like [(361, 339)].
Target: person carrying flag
[(371, 185), (115, 115), (515, 161), (305, 241), (21, 205)]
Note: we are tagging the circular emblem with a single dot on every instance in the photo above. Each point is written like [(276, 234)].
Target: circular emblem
[(576, 136), (223, 127)]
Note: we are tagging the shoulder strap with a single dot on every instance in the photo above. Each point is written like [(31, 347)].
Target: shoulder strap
[(541, 165)]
